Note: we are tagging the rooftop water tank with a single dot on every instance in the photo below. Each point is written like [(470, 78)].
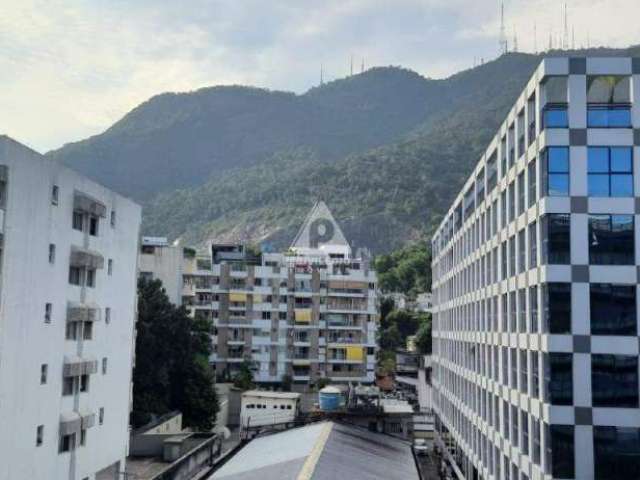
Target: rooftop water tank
[(330, 399)]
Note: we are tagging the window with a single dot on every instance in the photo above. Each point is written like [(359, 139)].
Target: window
[(614, 381), (67, 443), (611, 240), (557, 169), (560, 379), (555, 116), (515, 435), (104, 366), (83, 438), (608, 101), (514, 371), (78, 218), (557, 239), (54, 194), (75, 275), (610, 172), (613, 309), (52, 253), (562, 451), (39, 435), (521, 194), (533, 309), (71, 331), (91, 278), (524, 372), (110, 266), (93, 225), (535, 376), (531, 176), (48, 309), (522, 310), (512, 201), (68, 386), (554, 112), (616, 452), (113, 218), (43, 373), (87, 331), (535, 444), (522, 256), (101, 416), (84, 383), (533, 245), (558, 308), (107, 315)]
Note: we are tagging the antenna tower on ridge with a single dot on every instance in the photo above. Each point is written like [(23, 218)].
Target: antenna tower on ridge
[(504, 46)]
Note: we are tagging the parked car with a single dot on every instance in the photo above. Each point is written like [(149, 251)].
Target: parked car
[(420, 446)]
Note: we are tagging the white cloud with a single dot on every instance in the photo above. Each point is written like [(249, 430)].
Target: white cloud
[(71, 69)]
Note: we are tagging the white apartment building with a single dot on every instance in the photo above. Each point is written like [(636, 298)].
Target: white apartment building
[(535, 285), (308, 313), (68, 250)]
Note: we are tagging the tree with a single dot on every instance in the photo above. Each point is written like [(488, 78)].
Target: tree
[(244, 378), (390, 338), (172, 371), (423, 336)]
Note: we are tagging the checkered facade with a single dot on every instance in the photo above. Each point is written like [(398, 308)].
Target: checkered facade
[(522, 376)]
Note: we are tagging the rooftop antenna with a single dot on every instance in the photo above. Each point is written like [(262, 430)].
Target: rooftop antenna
[(503, 37), (362, 66), (515, 40), (321, 75), (550, 40), (351, 70)]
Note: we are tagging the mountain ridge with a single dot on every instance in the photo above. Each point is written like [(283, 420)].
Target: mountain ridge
[(387, 150)]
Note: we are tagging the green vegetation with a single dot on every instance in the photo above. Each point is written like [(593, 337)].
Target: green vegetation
[(407, 270), (244, 378), (165, 377)]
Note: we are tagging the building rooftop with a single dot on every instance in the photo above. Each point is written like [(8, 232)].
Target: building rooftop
[(322, 451), (269, 394)]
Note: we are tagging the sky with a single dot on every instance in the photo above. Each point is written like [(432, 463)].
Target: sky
[(69, 69)]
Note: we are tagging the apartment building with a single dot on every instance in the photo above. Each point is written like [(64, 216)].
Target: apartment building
[(535, 282), (306, 314), (68, 249)]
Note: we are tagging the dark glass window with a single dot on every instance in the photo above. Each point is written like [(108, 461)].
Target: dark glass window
[(532, 183), (611, 240), (521, 194), (533, 246), (560, 381), (610, 172), (616, 453), (512, 201), (562, 451), (533, 309), (613, 309), (555, 116), (77, 220), (557, 166), (557, 239), (614, 381), (558, 308)]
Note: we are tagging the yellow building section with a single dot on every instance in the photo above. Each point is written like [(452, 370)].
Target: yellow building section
[(355, 353), (237, 297), (303, 315)]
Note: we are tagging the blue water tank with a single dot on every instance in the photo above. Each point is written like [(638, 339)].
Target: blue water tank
[(330, 399)]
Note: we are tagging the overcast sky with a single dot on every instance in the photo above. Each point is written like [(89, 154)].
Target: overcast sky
[(70, 68)]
